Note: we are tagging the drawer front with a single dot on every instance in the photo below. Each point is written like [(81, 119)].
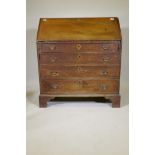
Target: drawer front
[(48, 71), (80, 58), (79, 47), (79, 86)]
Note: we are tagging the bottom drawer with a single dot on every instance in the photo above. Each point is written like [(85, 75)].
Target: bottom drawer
[(55, 86)]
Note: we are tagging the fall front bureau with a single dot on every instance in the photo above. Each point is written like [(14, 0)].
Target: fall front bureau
[(79, 57)]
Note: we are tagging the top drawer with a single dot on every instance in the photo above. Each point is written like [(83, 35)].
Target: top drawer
[(78, 47)]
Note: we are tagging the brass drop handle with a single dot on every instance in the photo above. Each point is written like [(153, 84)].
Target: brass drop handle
[(104, 72), (78, 46), (105, 59), (104, 87), (105, 48), (54, 73), (52, 47), (80, 69), (53, 59), (54, 86)]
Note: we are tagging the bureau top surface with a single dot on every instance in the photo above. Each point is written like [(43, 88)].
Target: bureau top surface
[(79, 29)]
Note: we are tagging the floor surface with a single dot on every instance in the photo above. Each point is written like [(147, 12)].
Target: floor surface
[(77, 127)]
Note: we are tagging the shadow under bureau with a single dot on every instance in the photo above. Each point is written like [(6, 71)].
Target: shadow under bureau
[(79, 57)]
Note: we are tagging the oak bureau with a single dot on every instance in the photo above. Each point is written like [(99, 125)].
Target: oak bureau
[(79, 57)]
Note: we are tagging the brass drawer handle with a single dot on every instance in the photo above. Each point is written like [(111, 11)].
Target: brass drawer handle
[(52, 47), (104, 87), (105, 48), (54, 73), (80, 69), (105, 59), (104, 72), (54, 86), (78, 46), (53, 59)]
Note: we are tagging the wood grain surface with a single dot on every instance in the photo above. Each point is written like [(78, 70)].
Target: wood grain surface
[(78, 29), (79, 57)]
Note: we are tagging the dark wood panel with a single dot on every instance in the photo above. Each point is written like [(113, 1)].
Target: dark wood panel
[(49, 71), (80, 47), (53, 86), (80, 58)]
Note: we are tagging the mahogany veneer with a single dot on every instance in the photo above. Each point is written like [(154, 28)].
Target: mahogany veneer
[(79, 57)]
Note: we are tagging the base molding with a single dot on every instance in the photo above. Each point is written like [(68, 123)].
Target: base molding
[(114, 99)]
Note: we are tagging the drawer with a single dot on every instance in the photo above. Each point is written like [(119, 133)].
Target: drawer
[(48, 71), (66, 86), (80, 58), (79, 47)]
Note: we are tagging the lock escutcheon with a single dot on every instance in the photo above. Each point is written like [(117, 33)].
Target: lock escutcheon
[(78, 46), (78, 56), (81, 83)]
